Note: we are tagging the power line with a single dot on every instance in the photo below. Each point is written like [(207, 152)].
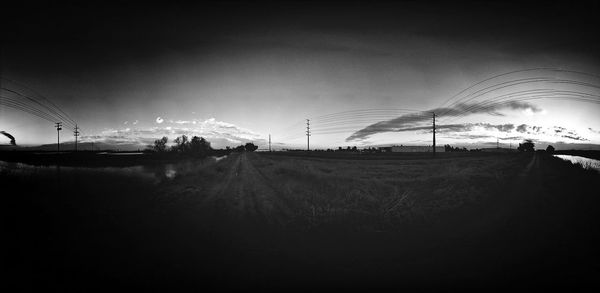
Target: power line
[(51, 112), (514, 72), (525, 96), (27, 109), (490, 89), (352, 112), (41, 96), (494, 77), (498, 86)]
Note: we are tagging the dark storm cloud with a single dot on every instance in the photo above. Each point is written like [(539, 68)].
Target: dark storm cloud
[(530, 129), (511, 138), (464, 136), (409, 121), (558, 129), (575, 137)]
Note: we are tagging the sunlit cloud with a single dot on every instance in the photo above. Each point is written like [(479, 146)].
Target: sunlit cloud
[(461, 127), (470, 131), (417, 119), (219, 133)]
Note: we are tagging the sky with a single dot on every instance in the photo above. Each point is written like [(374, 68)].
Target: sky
[(365, 74)]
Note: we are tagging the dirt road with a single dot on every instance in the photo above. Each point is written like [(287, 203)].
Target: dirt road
[(238, 192), (248, 195)]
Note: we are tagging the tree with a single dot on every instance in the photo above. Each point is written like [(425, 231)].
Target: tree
[(199, 146), (526, 146), (250, 147), (182, 144), (160, 145), (550, 149)]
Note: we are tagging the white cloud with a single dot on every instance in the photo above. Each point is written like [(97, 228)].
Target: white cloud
[(528, 112), (219, 133)]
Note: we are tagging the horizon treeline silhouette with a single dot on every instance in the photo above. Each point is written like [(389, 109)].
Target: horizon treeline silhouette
[(196, 146)]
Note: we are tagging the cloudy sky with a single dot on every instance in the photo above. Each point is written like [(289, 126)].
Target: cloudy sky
[(364, 73)]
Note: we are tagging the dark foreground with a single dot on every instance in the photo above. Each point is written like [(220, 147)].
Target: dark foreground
[(257, 221)]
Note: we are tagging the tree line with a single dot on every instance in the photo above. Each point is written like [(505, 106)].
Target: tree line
[(196, 146)]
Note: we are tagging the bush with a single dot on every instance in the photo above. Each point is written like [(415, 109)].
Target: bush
[(526, 146), (250, 147), (200, 146)]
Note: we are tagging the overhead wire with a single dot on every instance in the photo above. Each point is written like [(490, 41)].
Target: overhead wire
[(40, 96), (50, 111), (17, 105)]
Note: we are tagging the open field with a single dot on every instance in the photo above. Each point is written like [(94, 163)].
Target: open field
[(292, 222)]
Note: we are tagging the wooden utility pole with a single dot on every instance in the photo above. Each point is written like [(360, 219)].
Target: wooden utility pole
[(76, 134), (58, 126), (308, 134), (434, 134)]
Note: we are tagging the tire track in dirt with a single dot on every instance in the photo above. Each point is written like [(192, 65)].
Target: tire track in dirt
[(267, 200), (217, 198), (244, 193)]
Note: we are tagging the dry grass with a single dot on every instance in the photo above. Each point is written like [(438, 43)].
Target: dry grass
[(380, 194)]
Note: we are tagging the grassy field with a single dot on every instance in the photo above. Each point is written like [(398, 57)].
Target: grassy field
[(277, 221)]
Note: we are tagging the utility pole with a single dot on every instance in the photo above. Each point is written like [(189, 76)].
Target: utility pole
[(497, 144), (434, 134), (58, 126), (269, 143), (308, 134), (76, 133)]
